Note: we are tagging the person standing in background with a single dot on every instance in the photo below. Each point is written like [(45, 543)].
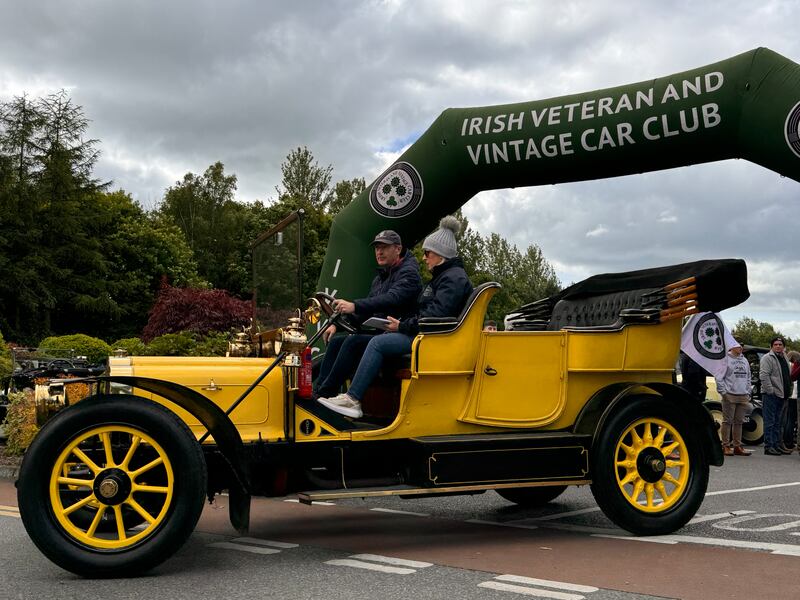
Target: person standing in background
[(734, 387), (776, 386)]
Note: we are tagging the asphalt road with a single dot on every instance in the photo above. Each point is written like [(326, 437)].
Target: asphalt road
[(744, 543)]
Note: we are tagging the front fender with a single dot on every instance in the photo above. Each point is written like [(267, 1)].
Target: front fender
[(214, 419)]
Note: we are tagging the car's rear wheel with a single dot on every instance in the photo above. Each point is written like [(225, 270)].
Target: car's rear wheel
[(533, 496), (649, 472), (715, 410), (112, 486), (753, 429)]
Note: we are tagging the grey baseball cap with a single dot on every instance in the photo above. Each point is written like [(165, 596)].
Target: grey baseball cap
[(387, 236)]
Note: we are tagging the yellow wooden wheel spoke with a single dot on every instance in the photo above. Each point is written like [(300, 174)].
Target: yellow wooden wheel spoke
[(106, 439), (648, 494), (79, 504), (648, 434), (140, 510), (629, 478), (668, 477), (637, 490), (152, 464), (74, 481), (675, 463), (670, 448), (135, 440), (628, 450), (86, 460), (659, 441), (637, 441), (661, 490), (120, 523), (156, 489), (96, 521)]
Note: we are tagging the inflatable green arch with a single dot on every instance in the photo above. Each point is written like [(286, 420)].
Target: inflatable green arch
[(746, 107)]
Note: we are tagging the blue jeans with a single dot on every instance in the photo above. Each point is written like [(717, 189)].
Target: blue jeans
[(385, 344), (340, 361), (772, 407)]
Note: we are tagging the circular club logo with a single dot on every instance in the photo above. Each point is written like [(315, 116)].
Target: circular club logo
[(792, 129), (397, 192), (708, 337)]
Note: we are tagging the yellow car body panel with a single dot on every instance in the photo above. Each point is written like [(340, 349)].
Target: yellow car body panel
[(222, 380)]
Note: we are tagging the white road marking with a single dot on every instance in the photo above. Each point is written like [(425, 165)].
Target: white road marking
[(529, 591), (729, 524), (753, 489), (400, 512), (401, 562), (260, 542), (559, 585), (244, 548), (774, 548), (717, 516), (336, 268), (357, 564)]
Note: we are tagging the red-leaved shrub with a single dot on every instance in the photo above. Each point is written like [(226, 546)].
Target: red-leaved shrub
[(195, 309)]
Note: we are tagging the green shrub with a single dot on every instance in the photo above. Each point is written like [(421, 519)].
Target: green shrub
[(133, 346), (6, 363), (172, 344), (94, 349), (215, 343), (20, 422)]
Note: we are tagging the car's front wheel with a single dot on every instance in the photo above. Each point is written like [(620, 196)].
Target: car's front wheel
[(112, 486), (649, 472)]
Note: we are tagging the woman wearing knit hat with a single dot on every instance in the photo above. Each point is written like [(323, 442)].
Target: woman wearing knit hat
[(444, 296)]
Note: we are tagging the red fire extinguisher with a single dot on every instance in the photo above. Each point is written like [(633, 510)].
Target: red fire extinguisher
[(304, 376)]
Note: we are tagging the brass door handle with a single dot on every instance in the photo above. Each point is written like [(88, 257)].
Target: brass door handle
[(490, 371)]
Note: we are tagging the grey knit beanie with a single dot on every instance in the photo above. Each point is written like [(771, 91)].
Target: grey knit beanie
[(443, 240)]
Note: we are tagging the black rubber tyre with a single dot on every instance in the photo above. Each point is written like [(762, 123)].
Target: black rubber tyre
[(139, 455), (671, 452), (533, 496), (715, 410), (753, 430)]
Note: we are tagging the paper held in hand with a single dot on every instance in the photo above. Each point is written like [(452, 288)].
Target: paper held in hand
[(377, 323)]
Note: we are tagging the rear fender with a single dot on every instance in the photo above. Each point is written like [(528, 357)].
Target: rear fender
[(602, 404), (226, 437)]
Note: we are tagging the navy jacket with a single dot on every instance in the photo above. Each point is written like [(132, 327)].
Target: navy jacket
[(444, 296), (393, 291)]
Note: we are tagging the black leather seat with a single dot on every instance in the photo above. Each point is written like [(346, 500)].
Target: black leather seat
[(448, 324), (606, 311)]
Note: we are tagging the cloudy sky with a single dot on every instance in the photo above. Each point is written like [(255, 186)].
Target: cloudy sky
[(171, 87)]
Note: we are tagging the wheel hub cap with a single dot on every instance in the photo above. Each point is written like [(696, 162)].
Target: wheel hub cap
[(112, 486)]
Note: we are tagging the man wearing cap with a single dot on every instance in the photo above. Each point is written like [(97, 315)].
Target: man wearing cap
[(393, 292), (734, 387), (776, 387)]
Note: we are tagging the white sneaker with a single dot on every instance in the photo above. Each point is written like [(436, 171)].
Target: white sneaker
[(343, 404)]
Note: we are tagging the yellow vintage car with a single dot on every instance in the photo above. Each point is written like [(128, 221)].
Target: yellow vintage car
[(577, 391)]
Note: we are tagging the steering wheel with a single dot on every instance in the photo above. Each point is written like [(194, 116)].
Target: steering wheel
[(336, 318), (60, 363)]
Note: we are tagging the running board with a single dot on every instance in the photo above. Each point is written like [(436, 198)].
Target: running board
[(407, 490)]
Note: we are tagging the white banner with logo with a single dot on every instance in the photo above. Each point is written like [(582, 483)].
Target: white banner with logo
[(706, 340)]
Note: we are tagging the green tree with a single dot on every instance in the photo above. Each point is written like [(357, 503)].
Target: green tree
[(344, 192), (304, 180), (54, 271), (204, 209), (758, 333)]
